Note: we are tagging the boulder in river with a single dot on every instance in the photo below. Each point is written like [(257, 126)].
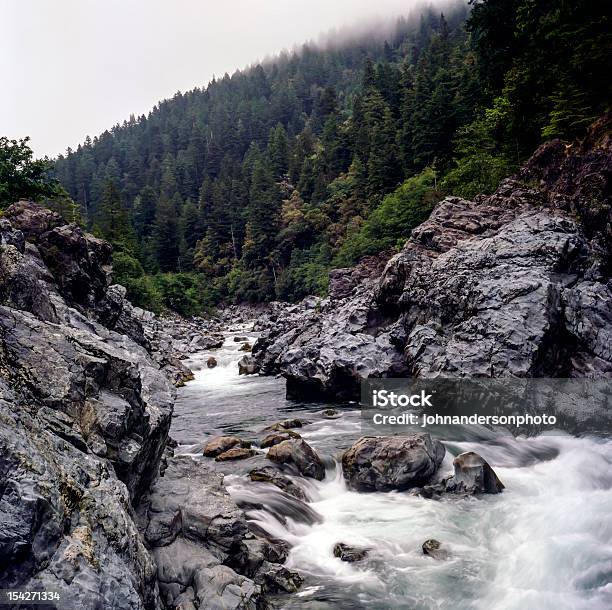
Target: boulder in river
[(220, 444), (240, 339), (299, 453), (349, 553), (287, 424), (245, 347), (235, 453), (247, 365), (211, 363), (473, 475), (278, 437), (385, 463), (433, 548)]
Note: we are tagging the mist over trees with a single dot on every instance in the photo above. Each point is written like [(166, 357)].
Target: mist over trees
[(255, 186)]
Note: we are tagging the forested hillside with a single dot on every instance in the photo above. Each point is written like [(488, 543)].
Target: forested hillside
[(254, 186)]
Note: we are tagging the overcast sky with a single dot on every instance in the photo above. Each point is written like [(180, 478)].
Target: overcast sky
[(76, 67)]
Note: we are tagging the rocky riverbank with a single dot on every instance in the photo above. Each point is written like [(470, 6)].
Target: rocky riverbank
[(87, 388), (513, 284)]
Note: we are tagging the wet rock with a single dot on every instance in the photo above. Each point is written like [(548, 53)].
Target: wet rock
[(432, 548), (278, 437), (279, 579), (287, 424), (220, 444), (204, 552), (473, 475), (349, 553), (247, 365), (247, 347), (211, 362), (240, 339), (236, 453), (299, 454), (271, 475), (382, 463), (330, 413)]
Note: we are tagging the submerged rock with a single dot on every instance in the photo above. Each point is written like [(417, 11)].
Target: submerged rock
[(385, 463), (220, 444), (349, 553), (433, 548), (287, 424), (473, 475), (300, 454)]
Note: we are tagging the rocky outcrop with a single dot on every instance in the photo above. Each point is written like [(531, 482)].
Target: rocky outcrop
[(512, 284), (85, 415), (206, 556), (385, 463)]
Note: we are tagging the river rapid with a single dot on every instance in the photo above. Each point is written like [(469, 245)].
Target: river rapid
[(545, 543)]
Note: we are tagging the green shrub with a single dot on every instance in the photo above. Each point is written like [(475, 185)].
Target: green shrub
[(391, 223)]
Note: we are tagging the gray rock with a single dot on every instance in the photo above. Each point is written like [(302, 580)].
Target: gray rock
[(247, 365), (385, 463), (432, 548), (300, 454), (272, 475), (473, 475), (349, 553)]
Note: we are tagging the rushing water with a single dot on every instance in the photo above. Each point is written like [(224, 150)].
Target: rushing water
[(544, 543)]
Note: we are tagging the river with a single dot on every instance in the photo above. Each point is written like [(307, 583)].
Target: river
[(545, 543)]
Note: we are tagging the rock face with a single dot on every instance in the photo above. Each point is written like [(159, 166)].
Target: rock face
[(381, 463), (85, 416), (300, 454), (204, 552), (473, 475), (513, 284)]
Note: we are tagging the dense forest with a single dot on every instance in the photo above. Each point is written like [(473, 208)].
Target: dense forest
[(253, 187)]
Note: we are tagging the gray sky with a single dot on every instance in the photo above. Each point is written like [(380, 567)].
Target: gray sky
[(76, 67)]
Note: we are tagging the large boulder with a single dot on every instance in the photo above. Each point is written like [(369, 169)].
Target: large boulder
[(300, 454), (385, 463)]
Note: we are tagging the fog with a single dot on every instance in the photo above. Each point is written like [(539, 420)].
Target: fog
[(73, 68)]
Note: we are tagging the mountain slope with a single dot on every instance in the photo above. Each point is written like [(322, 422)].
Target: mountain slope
[(259, 183)]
